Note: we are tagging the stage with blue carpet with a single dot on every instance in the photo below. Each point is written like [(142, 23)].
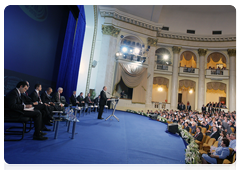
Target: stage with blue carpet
[(135, 139)]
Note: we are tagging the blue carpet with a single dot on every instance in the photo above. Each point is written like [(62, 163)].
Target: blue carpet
[(135, 139)]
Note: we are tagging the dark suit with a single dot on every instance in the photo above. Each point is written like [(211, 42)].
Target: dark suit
[(215, 135), (189, 107), (204, 109), (210, 109), (45, 110), (199, 136), (80, 99), (15, 102), (47, 99), (73, 100), (35, 97), (187, 128), (56, 98), (103, 101)]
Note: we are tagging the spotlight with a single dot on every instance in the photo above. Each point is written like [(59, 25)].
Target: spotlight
[(191, 91), (117, 54), (160, 89), (131, 51), (165, 57), (136, 50), (124, 49)]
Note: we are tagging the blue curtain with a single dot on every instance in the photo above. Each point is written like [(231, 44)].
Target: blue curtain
[(71, 53)]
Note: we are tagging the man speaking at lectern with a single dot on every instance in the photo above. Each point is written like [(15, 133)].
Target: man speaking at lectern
[(103, 100)]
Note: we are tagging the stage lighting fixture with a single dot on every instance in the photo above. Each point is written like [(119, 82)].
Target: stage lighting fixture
[(136, 50), (190, 91), (160, 89), (165, 57), (124, 49), (117, 54), (131, 51)]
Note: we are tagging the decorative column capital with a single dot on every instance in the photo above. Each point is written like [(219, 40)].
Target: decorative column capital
[(110, 30), (202, 52), (231, 52), (152, 42), (176, 49)]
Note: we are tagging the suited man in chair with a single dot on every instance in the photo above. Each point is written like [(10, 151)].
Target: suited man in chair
[(57, 97), (14, 102), (198, 136), (47, 98), (73, 99), (103, 101), (35, 96), (81, 99)]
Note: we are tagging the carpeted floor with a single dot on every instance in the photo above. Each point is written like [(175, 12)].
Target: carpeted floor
[(135, 139)]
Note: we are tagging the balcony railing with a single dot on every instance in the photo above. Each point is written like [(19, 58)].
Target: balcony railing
[(217, 73), (187, 71), (163, 68)]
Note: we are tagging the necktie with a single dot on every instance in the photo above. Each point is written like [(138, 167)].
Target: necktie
[(39, 98)]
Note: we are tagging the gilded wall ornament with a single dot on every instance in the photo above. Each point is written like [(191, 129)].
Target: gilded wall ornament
[(110, 30), (202, 52), (176, 49), (231, 52), (152, 42)]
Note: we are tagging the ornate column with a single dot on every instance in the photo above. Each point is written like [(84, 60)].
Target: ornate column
[(232, 79), (174, 88), (201, 80), (151, 57), (106, 63)]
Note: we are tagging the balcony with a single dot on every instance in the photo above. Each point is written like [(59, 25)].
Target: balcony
[(217, 74), (188, 72), (163, 69)]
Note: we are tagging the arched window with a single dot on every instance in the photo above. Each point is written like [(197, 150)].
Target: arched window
[(216, 60), (188, 59), (163, 56)]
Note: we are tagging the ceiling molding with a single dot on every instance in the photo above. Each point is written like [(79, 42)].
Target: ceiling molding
[(150, 25)]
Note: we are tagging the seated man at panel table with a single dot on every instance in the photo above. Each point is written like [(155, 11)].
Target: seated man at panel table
[(88, 101), (57, 97), (73, 99), (47, 98), (15, 102), (35, 96), (46, 113), (81, 99)]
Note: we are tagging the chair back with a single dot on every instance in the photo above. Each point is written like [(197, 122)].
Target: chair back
[(215, 144), (211, 141), (207, 139), (204, 130), (190, 130), (209, 127), (233, 130)]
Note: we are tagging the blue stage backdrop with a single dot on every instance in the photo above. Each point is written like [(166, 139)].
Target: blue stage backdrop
[(71, 53), (33, 42)]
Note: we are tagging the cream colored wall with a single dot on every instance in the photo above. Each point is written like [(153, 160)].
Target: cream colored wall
[(214, 97), (192, 98), (159, 96), (169, 77)]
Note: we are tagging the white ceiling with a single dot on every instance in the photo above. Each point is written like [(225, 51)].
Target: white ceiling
[(202, 18)]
